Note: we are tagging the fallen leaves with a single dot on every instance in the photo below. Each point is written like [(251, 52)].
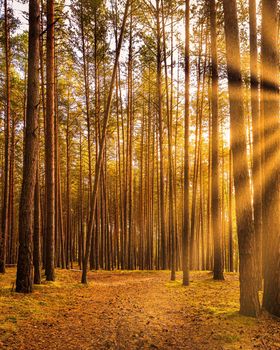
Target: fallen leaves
[(131, 310)]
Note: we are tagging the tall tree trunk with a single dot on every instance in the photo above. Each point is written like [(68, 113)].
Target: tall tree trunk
[(271, 205), (186, 218), (215, 193), (198, 122), (81, 203), (24, 281), (49, 151), (209, 230), (230, 228), (160, 123), (43, 104), (68, 189), (130, 123), (249, 301), (61, 221), (86, 86), (256, 123), (11, 208), (5, 201), (169, 112)]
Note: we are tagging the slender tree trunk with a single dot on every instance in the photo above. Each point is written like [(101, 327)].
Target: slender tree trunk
[(193, 246), (24, 281), (160, 123), (230, 228), (119, 182), (186, 218), (169, 112), (5, 201), (86, 86), (57, 230), (68, 190), (129, 169), (37, 230), (43, 106), (60, 214), (11, 208), (81, 204), (209, 219), (256, 123), (49, 151), (215, 193)]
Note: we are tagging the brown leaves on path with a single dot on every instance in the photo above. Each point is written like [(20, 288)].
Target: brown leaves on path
[(130, 310)]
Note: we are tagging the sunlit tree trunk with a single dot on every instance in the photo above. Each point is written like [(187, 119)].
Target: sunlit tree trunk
[(86, 86), (271, 205), (169, 112), (209, 230), (249, 301), (255, 110), (230, 226), (215, 193), (160, 123), (81, 203), (194, 221)]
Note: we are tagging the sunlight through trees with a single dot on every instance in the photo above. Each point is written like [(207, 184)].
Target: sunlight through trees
[(142, 135)]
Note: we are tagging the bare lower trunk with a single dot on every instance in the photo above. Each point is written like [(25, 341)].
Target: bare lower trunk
[(37, 231), (24, 280)]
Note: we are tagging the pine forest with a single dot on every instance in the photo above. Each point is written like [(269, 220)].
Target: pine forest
[(139, 174)]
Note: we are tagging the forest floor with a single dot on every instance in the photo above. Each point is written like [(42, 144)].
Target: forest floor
[(130, 310)]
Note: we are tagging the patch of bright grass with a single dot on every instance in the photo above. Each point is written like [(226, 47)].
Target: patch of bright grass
[(240, 319), (226, 337), (12, 319), (175, 284)]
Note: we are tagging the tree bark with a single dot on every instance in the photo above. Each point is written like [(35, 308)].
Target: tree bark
[(255, 110), (271, 204), (49, 144), (215, 193), (24, 281), (37, 231), (5, 201), (160, 123), (186, 218), (249, 301)]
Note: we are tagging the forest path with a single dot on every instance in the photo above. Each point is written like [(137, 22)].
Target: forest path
[(130, 310)]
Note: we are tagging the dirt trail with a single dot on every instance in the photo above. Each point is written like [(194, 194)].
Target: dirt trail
[(132, 310)]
